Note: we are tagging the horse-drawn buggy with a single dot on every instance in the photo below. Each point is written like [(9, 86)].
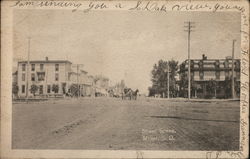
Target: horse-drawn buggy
[(128, 93)]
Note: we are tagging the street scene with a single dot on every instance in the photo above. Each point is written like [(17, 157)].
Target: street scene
[(113, 124), (91, 82)]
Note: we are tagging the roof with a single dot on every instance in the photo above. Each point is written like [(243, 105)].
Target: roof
[(209, 60), (212, 59), (47, 61), (72, 72), (82, 71)]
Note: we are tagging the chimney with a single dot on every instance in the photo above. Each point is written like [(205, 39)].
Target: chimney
[(204, 57), (46, 58)]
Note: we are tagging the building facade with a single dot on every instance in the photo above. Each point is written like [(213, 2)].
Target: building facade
[(210, 77), (53, 78), (86, 84), (101, 86), (50, 76)]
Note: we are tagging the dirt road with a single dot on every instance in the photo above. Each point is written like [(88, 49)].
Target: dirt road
[(113, 124)]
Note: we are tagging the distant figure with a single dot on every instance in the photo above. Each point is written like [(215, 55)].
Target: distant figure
[(134, 94), (127, 93), (130, 94)]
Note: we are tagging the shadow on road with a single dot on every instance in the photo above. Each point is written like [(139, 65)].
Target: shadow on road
[(183, 118)]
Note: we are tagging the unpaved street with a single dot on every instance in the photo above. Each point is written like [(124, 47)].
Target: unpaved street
[(113, 124)]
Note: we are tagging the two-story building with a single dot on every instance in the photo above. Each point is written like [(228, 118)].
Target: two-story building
[(86, 84), (50, 76), (210, 77)]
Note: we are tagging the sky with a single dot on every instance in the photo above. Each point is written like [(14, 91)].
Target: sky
[(123, 44)]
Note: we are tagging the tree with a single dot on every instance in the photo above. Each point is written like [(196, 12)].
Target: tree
[(152, 91), (122, 85), (74, 89), (237, 88), (159, 77), (15, 89), (33, 89), (227, 85), (55, 88), (184, 85), (212, 87)]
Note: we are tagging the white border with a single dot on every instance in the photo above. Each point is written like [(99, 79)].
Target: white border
[(6, 103)]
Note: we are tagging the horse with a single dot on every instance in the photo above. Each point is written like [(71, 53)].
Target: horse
[(127, 92), (134, 94)]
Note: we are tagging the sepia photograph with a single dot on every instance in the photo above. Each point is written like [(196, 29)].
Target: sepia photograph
[(118, 80), (126, 79)]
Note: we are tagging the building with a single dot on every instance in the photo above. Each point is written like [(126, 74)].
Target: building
[(86, 84), (210, 78), (90, 86), (53, 78), (101, 86), (119, 88), (14, 85), (49, 76)]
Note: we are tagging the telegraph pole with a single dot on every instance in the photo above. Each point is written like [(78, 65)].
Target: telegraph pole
[(27, 70), (233, 91), (168, 79), (189, 27), (78, 91), (77, 79)]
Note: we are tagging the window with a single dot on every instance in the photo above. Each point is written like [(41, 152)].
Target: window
[(209, 75), (196, 75), (237, 64), (56, 88), (201, 75), (41, 89), (41, 76), (56, 77), (23, 77), (57, 67), (41, 66), (192, 75), (226, 73), (217, 64), (23, 67), (237, 75), (23, 88), (32, 77), (208, 66), (201, 64), (32, 67), (217, 75), (226, 65), (48, 89)]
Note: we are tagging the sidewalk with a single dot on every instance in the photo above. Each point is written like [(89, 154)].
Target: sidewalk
[(50, 100)]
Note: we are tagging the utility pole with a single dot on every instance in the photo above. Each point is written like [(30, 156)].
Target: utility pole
[(27, 70), (78, 89), (189, 27), (168, 79), (77, 78), (233, 91)]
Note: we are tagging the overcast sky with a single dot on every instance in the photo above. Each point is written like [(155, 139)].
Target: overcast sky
[(123, 44)]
